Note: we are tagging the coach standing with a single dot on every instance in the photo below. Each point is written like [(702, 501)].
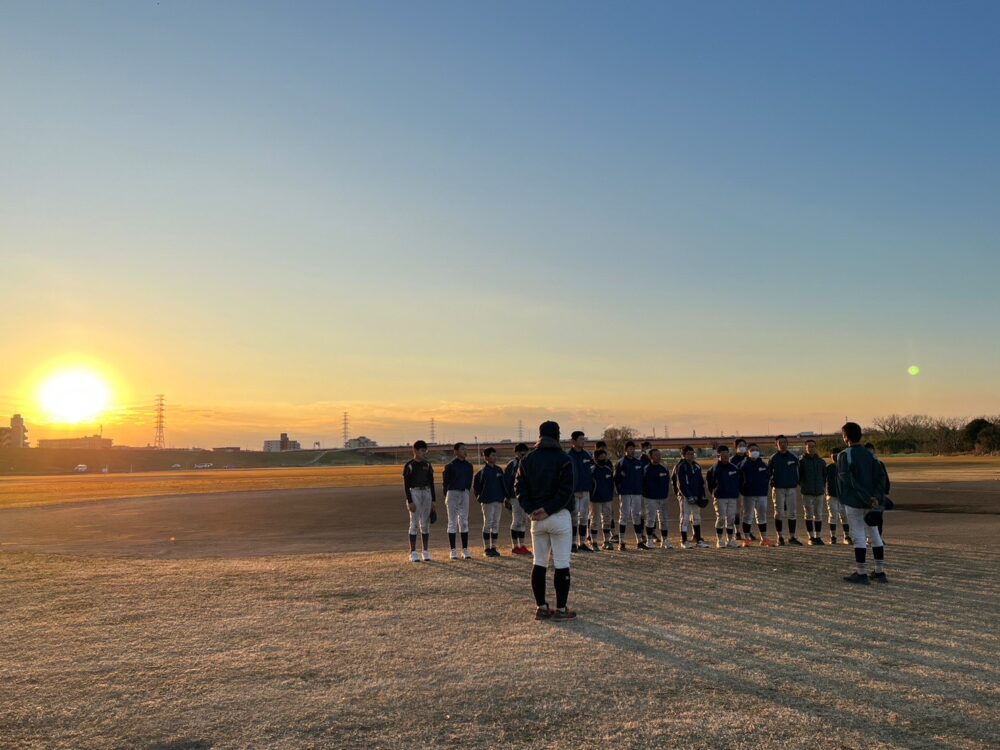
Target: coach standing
[(544, 485)]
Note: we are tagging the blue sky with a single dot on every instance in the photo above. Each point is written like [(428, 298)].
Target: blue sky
[(495, 210)]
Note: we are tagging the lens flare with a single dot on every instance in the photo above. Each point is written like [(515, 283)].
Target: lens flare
[(913, 370)]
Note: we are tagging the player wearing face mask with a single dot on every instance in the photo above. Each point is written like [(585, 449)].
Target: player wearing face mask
[(755, 480), (737, 458)]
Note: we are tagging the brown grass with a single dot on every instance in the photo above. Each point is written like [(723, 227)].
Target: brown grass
[(30, 491), (702, 649)]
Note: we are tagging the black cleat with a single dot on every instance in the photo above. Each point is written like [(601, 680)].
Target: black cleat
[(608, 545), (621, 546), (781, 541), (640, 545), (857, 578), (583, 548), (794, 542), (879, 577), (818, 542)]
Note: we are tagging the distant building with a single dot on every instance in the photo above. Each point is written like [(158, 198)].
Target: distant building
[(282, 444), (94, 442), (360, 442), (227, 449), (15, 436)]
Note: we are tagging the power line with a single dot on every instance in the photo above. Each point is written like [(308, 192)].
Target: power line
[(159, 441), (347, 431)]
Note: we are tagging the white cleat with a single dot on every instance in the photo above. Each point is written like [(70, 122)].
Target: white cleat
[(427, 556), (666, 545), (733, 544), (719, 544), (466, 555), (687, 545), (414, 556), (703, 544), (453, 555)]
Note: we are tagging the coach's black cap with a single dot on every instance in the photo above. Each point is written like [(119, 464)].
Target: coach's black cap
[(549, 429)]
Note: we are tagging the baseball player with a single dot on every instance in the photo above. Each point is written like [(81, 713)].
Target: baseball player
[(836, 508), (418, 484), (645, 447), (457, 481), (689, 486), (489, 489), (740, 447), (870, 447), (784, 468), (655, 492), (601, 444), (518, 518), (861, 483), (812, 483), (724, 484), (602, 498), (544, 485), (755, 479), (583, 480), (628, 483)]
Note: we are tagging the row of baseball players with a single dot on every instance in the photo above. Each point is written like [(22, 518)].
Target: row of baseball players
[(739, 483)]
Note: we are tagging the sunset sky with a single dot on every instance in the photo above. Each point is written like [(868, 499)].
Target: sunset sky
[(715, 216)]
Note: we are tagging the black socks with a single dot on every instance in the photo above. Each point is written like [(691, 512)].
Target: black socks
[(451, 539), (538, 584), (562, 586), (413, 543)]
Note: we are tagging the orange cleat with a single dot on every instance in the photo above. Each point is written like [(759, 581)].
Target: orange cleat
[(766, 543), (746, 543)]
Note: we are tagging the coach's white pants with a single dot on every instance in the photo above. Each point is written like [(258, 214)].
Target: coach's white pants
[(631, 510), (786, 501), (581, 507), (752, 505), (812, 505), (600, 516), (838, 511), (656, 512), (491, 517), (856, 518), (690, 512), (457, 502), (555, 533), (518, 518), (725, 512), (420, 518)]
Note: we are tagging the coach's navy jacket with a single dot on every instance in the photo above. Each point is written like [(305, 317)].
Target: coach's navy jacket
[(583, 469), (628, 476), (656, 481), (545, 478), (488, 485), (784, 470), (830, 477), (457, 475), (603, 488), (509, 472), (724, 480), (755, 478), (688, 480)]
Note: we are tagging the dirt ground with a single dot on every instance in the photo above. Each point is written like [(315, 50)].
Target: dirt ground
[(291, 619)]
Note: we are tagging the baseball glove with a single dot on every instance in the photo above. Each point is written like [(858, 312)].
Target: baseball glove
[(434, 516)]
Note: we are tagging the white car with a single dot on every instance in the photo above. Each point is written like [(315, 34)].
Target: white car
[(80, 468), (176, 466), (203, 466)]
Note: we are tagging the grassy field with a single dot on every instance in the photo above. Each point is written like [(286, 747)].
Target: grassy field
[(705, 649), (43, 490)]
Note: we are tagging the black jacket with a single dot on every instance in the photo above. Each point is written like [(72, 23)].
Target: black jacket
[(545, 478)]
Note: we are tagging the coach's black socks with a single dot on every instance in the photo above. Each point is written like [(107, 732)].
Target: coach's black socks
[(538, 584), (562, 587)]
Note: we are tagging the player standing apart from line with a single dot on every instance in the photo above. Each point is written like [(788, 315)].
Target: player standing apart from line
[(518, 518), (836, 508), (628, 482), (655, 493), (544, 485), (812, 482), (784, 468), (861, 484), (602, 498), (583, 473), (489, 490), (755, 479), (457, 481), (724, 484), (418, 484), (689, 485)]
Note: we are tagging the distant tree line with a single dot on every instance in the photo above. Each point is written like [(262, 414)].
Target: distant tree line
[(919, 433)]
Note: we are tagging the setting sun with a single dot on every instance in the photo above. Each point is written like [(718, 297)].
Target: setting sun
[(74, 396)]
